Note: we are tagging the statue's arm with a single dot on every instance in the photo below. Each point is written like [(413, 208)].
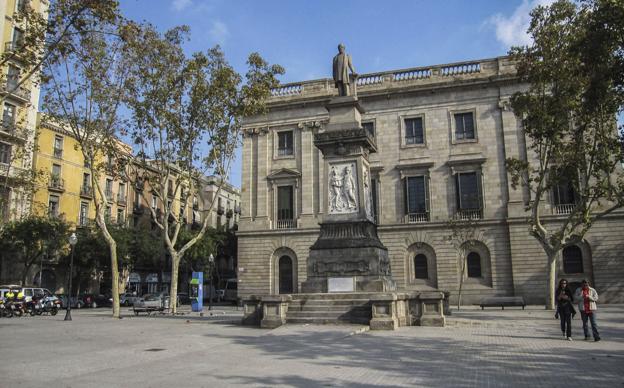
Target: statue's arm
[(350, 64)]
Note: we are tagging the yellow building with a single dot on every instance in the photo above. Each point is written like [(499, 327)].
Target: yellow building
[(64, 185), (19, 111)]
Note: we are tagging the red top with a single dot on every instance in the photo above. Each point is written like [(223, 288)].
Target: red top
[(586, 300)]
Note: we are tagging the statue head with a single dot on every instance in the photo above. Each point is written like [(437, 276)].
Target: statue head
[(341, 48)]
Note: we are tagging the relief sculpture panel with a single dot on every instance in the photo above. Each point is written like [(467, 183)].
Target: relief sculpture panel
[(343, 188)]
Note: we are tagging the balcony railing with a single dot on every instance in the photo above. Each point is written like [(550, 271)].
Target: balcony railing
[(220, 210), (85, 191), (18, 92), (56, 183), (415, 218), (12, 46), (469, 214), (286, 224), (564, 208), (14, 130), (121, 199)]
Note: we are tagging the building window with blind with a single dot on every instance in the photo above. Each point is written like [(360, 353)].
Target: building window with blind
[(469, 195), (5, 153), (53, 206), (83, 217), (417, 199), (285, 207), (58, 147), (414, 131), (8, 116), (285, 144), (473, 265), (464, 126)]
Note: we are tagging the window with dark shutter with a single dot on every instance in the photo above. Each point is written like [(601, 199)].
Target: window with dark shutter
[(468, 191), (285, 143), (285, 203), (473, 264), (416, 194), (572, 259), (369, 127), (420, 267), (464, 126), (414, 133)]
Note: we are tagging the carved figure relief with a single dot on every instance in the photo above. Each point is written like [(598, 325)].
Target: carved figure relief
[(343, 189), (367, 193)]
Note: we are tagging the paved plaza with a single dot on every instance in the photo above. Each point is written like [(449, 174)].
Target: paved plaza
[(488, 348)]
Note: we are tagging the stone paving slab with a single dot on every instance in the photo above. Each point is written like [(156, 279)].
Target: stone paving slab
[(490, 348)]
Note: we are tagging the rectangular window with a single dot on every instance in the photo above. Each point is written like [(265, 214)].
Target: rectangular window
[(108, 213), (58, 146), (108, 191), (285, 203), (285, 143), (468, 191), (369, 127), (374, 199), (464, 126), (120, 216), (84, 214), (417, 198), (5, 153), (53, 206), (4, 203), (414, 133), (8, 116), (18, 38), (13, 75), (56, 172), (20, 5), (86, 183), (121, 195)]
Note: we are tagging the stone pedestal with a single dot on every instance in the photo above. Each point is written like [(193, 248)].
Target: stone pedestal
[(348, 244), (274, 308)]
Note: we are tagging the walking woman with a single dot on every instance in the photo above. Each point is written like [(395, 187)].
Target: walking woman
[(586, 297), (565, 308)]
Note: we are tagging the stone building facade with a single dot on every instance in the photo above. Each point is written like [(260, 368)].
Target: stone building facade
[(443, 133)]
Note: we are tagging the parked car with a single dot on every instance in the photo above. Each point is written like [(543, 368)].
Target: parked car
[(152, 301), (76, 303), (128, 299)]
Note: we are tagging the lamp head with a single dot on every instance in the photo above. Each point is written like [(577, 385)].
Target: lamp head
[(73, 239)]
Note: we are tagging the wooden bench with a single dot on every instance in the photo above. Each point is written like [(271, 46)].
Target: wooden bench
[(503, 301)]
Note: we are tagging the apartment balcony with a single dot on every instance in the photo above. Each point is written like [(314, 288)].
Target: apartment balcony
[(85, 191), (286, 224), (229, 213), (121, 200), (12, 171), (469, 214), (564, 208), (220, 210), (56, 184), (14, 131), (416, 218), (19, 93), (58, 153)]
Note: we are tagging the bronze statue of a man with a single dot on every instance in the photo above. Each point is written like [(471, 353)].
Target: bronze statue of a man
[(342, 64)]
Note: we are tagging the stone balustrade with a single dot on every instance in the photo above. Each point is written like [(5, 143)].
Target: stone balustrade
[(502, 66)]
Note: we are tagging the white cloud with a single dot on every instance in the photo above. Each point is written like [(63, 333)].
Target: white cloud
[(512, 30), (180, 5), (219, 32)]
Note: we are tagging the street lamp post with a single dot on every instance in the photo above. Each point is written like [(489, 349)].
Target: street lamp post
[(211, 262), (72, 241)]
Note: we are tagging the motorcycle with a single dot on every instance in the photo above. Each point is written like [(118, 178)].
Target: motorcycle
[(16, 307), (50, 306), (34, 307), (4, 310)]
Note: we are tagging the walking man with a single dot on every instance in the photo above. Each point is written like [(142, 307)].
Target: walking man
[(586, 297)]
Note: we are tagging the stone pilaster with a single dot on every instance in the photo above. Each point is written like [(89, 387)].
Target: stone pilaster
[(264, 154), (307, 217)]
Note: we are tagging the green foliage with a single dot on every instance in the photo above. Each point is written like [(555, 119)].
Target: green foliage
[(574, 71), (28, 239), (197, 256)]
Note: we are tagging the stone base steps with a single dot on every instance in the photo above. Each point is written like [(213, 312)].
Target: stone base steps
[(330, 308)]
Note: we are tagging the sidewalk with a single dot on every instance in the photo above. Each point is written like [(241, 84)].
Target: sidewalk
[(490, 348)]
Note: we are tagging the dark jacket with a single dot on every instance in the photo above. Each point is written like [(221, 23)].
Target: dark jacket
[(564, 306)]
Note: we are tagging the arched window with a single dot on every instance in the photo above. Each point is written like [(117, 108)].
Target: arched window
[(285, 275), (572, 259), (420, 267), (473, 262)]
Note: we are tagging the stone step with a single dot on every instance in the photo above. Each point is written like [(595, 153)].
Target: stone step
[(328, 308), (324, 321), (329, 303), (337, 296), (328, 314)]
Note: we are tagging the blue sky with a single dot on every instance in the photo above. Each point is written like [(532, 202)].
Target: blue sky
[(380, 35)]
